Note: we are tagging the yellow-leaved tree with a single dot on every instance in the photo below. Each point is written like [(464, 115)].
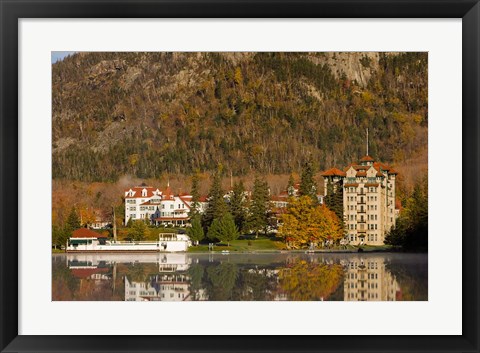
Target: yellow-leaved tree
[(306, 222)]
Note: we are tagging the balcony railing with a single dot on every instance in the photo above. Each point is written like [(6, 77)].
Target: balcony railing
[(362, 210)]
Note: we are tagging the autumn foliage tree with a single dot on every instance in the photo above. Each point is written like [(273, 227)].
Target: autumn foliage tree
[(306, 222)]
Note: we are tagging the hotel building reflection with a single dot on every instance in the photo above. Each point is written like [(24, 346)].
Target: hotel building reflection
[(369, 280)]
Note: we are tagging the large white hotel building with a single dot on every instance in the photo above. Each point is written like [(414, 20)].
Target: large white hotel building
[(369, 207)]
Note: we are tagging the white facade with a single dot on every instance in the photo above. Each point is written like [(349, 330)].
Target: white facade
[(159, 207), (162, 287), (166, 243), (141, 202)]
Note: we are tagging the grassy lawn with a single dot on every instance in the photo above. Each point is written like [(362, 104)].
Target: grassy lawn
[(266, 244), (261, 244), (376, 247)]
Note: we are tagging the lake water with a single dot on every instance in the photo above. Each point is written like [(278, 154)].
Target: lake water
[(254, 277)]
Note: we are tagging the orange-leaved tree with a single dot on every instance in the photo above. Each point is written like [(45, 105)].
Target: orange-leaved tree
[(306, 222)]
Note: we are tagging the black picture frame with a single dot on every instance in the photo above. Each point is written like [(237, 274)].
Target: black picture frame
[(12, 11)]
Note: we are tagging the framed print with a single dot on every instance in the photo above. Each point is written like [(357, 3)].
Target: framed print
[(176, 176)]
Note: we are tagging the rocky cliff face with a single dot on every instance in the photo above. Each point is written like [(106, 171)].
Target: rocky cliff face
[(148, 113), (358, 67)]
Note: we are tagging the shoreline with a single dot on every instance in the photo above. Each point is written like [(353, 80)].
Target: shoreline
[(255, 252)]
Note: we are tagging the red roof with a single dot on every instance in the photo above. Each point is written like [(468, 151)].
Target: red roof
[(203, 198), (361, 174), (137, 191), (87, 272), (281, 197), (378, 166), (371, 184), (366, 158), (351, 185), (86, 233), (184, 201), (167, 194), (334, 172), (148, 203)]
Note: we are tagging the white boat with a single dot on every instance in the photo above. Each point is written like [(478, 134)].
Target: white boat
[(85, 240), (166, 262)]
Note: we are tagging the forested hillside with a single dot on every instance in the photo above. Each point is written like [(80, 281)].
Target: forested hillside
[(148, 114)]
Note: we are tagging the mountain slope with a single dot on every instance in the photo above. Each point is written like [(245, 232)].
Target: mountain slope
[(146, 114)]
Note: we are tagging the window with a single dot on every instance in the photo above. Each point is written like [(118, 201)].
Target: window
[(163, 206), (171, 207)]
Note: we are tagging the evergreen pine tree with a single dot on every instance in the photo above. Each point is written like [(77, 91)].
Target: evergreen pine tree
[(195, 205), (228, 229), (216, 204), (338, 203), (237, 204), (334, 199), (330, 197), (73, 220), (258, 212), (291, 186), (214, 230), (308, 186), (195, 232)]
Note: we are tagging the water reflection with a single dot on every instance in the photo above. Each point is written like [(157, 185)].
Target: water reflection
[(251, 277)]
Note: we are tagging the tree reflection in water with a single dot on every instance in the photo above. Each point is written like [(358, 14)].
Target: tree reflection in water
[(247, 277), (303, 280)]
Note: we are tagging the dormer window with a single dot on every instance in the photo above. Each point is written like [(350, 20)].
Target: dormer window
[(144, 192)]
